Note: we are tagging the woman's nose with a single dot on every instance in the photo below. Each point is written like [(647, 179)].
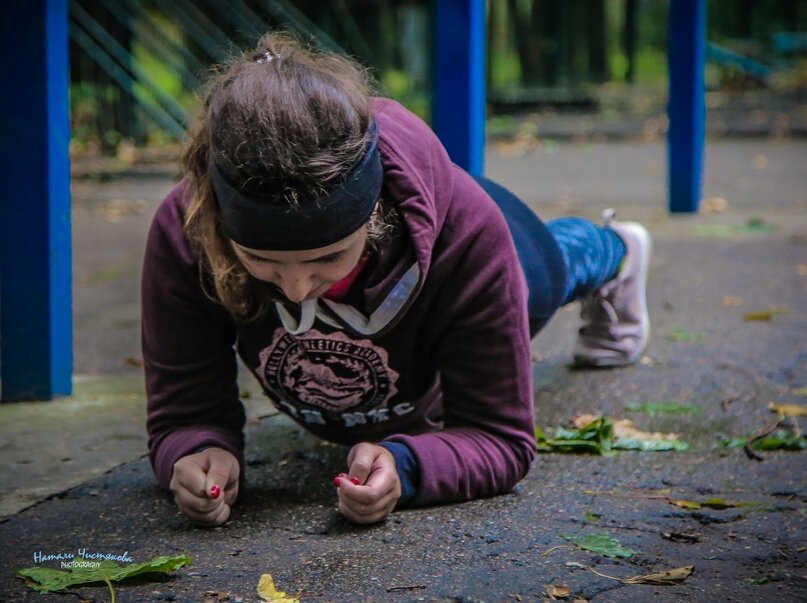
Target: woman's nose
[(296, 286)]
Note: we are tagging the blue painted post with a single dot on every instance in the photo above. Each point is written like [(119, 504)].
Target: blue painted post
[(36, 359), (687, 108), (458, 103)]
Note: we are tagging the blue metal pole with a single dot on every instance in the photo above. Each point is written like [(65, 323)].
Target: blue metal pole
[(458, 103), (687, 107), (36, 358)]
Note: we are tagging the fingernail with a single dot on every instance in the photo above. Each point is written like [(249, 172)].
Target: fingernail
[(336, 481), (215, 491), (355, 480), (343, 475)]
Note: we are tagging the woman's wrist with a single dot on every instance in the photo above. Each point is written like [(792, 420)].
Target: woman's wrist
[(408, 469)]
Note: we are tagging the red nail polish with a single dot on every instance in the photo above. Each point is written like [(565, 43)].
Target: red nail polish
[(355, 481), (215, 491), (336, 481)]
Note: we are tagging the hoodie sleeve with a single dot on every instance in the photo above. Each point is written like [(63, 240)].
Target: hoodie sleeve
[(188, 353), (483, 358)]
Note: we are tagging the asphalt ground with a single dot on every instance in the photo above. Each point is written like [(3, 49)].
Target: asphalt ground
[(708, 271)]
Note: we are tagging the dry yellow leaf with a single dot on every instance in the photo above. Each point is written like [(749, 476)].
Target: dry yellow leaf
[(268, 592), (761, 315), (760, 162), (673, 576), (684, 504), (714, 205), (801, 269), (731, 300), (557, 592), (791, 410)]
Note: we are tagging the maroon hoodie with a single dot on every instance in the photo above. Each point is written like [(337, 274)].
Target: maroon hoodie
[(430, 348)]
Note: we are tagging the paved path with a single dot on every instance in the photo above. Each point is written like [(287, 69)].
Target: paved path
[(500, 549)]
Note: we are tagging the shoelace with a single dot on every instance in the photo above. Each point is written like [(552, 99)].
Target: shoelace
[(601, 316)]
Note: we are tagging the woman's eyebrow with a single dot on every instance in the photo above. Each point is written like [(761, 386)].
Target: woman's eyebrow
[(330, 256)]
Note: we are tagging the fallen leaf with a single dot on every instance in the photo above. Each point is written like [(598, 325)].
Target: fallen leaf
[(752, 226), (762, 315), (557, 592), (45, 579), (730, 301), (667, 578), (684, 504), (800, 391), (596, 437), (268, 592), (602, 544), (759, 580), (627, 437), (600, 435), (791, 410), (760, 162), (575, 564), (712, 503), (778, 440), (801, 269), (673, 576), (684, 336), (663, 408), (714, 205)]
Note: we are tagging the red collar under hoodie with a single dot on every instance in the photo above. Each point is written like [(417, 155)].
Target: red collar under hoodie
[(431, 352)]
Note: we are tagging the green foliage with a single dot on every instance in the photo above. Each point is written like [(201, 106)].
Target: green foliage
[(778, 440), (684, 336), (45, 579), (598, 437), (602, 544)]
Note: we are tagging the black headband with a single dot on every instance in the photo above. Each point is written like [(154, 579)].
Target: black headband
[(269, 222)]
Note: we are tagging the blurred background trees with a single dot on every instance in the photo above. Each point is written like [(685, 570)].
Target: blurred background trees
[(137, 66)]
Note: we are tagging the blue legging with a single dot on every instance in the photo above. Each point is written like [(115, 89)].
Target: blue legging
[(563, 260)]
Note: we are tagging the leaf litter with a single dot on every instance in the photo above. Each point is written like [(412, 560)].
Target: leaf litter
[(45, 579), (602, 544), (601, 435), (268, 592), (665, 578)]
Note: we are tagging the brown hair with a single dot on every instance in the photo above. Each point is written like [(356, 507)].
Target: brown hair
[(282, 118)]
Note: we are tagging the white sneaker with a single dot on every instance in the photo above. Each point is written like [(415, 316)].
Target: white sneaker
[(616, 326)]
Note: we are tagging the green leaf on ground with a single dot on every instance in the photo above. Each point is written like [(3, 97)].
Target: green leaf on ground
[(649, 445), (601, 435), (596, 437), (684, 336), (592, 517), (717, 504), (778, 440), (663, 408), (45, 579), (759, 580), (602, 544), (752, 226)]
